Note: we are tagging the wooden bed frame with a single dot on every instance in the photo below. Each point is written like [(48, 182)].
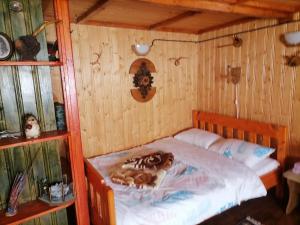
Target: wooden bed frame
[(101, 197)]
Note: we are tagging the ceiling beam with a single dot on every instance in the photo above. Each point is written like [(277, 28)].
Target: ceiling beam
[(100, 4), (173, 19), (138, 27), (221, 7), (272, 5), (228, 24)]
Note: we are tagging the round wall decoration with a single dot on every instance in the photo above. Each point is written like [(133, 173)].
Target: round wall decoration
[(142, 80), (6, 47)]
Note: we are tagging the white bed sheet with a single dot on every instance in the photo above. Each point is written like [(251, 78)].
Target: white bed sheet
[(265, 166), (199, 185)]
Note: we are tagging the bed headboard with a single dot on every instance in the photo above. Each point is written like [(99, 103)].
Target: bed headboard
[(266, 134)]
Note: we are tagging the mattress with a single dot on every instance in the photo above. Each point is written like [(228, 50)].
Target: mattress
[(265, 166), (199, 184)]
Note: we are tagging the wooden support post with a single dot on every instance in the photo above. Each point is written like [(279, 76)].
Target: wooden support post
[(72, 114)]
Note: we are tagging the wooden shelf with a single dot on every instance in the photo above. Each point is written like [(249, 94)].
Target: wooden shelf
[(30, 63), (31, 210), (21, 141)]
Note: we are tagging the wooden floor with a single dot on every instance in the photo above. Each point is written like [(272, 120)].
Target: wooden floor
[(265, 209)]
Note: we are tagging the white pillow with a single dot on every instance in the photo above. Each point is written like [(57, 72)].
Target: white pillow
[(198, 137), (245, 152)]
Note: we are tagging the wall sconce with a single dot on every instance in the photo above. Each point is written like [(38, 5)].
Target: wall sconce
[(141, 49), (291, 38)]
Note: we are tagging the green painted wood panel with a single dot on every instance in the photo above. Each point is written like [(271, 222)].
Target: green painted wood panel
[(27, 90)]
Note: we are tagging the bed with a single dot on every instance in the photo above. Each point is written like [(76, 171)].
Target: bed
[(101, 195)]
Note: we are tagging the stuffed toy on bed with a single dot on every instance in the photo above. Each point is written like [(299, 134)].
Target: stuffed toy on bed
[(144, 171)]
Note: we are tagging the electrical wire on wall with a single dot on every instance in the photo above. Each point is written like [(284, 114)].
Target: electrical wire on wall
[(236, 96), (226, 35)]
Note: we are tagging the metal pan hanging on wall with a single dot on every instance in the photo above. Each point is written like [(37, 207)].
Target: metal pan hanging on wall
[(6, 47)]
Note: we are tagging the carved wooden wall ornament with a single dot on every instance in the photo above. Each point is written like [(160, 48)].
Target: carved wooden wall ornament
[(142, 80)]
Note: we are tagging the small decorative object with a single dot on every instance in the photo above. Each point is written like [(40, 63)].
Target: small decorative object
[(31, 126), (233, 74), (177, 60), (296, 168), (293, 60), (236, 42), (97, 58), (7, 134), (60, 116), (16, 189), (53, 51), (43, 187), (6, 46), (15, 6), (28, 46), (142, 80), (57, 193)]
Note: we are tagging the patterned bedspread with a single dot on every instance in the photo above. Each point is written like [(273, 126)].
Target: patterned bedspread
[(198, 185)]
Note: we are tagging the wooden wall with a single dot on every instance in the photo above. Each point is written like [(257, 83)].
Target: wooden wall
[(110, 118), (269, 90)]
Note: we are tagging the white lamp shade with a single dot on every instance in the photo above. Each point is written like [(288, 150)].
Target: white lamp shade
[(141, 49), (292, 38)]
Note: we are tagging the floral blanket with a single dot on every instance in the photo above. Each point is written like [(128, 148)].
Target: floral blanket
[(145, 171)]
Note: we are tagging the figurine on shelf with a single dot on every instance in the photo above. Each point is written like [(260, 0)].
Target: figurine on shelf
[(31, 126), (56, 193)]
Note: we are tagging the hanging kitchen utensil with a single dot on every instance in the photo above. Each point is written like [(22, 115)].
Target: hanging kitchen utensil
[(6, 46), (28, 46), (236, 42)]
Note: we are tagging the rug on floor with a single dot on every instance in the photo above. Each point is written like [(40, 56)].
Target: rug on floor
[(249, 221)]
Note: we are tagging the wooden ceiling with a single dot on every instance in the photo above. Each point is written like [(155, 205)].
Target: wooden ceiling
[(187, 16)]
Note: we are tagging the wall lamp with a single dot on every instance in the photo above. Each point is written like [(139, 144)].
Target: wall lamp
[(291, 38), (141, 49)]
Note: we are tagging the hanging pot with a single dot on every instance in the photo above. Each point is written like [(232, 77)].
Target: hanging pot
[(28, 46)]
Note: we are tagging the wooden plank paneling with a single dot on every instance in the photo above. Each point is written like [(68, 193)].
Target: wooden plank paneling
[(110, 118), (268, 90)]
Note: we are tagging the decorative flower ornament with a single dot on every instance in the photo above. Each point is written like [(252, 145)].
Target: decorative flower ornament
[(142, 80)]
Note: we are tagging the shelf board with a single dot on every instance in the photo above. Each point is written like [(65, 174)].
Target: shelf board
[(31, 210), (31, 63), (21, 141)]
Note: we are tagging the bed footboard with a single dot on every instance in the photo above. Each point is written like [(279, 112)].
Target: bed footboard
[(101, 198)]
